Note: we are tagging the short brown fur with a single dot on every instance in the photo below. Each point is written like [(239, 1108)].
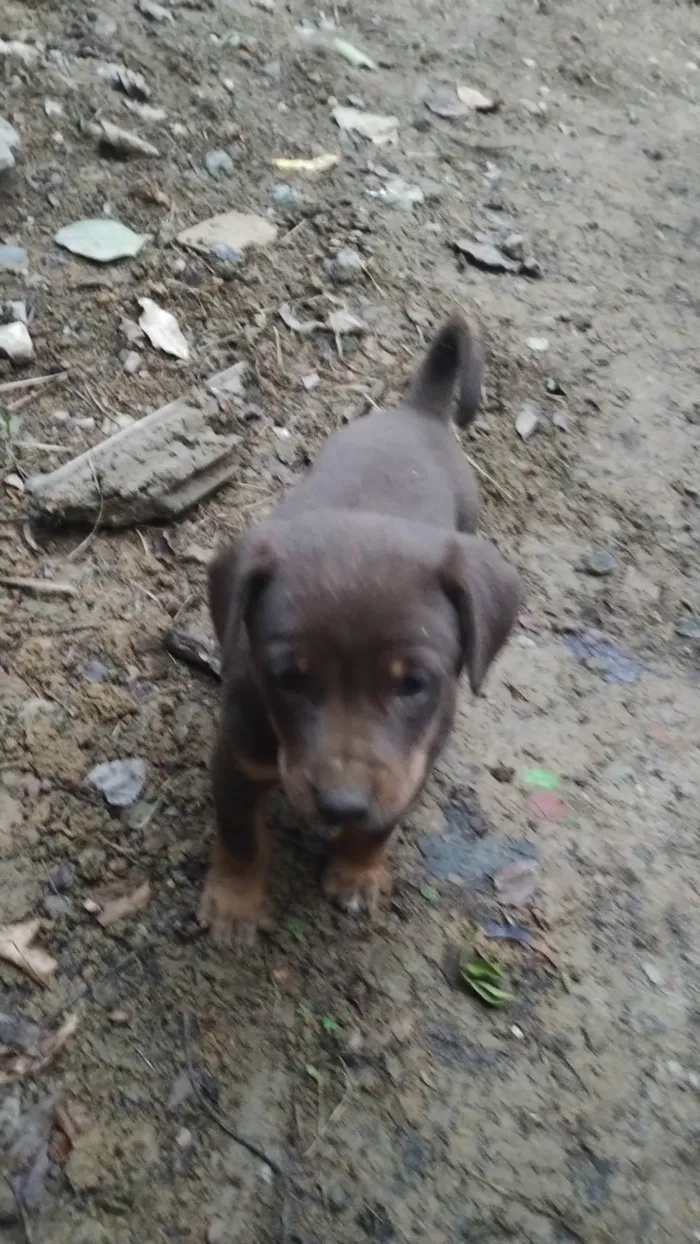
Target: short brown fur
[(345, 621)]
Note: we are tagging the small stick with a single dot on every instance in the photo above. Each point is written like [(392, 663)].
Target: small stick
[(206, 1105), (11, 386), (42, 445), (507, 496), (286, 236), (85, 544), (41, 587), (192, 651)]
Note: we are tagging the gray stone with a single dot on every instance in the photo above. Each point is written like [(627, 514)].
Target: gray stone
[(599, 563), (9, 135), (218, 163), (345, 266), (91, 863), (13, 258), (689, 628), (57, 906), (286, 196)]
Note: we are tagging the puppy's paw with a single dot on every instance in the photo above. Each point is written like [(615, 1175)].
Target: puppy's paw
[(355, 887), (234, 912)]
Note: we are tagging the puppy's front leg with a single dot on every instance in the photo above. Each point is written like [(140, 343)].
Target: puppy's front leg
[(234, 900), (357, 873)]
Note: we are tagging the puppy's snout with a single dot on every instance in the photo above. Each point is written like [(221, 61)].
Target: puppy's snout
[(342, 805)]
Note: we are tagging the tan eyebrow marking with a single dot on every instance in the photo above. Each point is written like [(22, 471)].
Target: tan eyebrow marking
[(397, 669)]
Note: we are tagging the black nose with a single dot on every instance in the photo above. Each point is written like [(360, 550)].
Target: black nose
[(340, 806)]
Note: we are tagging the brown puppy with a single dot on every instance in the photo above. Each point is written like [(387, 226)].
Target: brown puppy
[(344, 622)]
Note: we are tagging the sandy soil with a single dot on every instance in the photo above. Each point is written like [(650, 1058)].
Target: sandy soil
[(398, 1106)]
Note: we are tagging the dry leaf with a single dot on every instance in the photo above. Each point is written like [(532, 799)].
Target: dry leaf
[(514, 883), (17, 1066), (70, 1121), (110, 910), (472, 98), (304, 327), (380, 129), (162, 329), (16, 948)]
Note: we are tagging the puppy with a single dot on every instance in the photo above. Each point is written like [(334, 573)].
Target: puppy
[(345, 621)]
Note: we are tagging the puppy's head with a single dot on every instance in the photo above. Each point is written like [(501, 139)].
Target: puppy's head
[(358, 628)]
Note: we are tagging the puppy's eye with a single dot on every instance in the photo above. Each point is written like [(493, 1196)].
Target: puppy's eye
[(291, 681), (411, 686)]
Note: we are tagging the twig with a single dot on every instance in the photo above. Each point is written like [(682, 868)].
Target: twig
[(85, 544), (192, 651), (332, 1118), (370, 275), (43, 446), (203, 1100), (545, 1208), (11, 386), (286, 236), (42, 587), (507, 496)]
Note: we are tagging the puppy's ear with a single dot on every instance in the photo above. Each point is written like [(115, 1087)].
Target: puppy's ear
[(236, 577), (486, 593)]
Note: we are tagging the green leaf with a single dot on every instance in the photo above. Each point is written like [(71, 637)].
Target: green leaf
[(296, 928), (430, 893), (491, 994), (479, 969), (330, 1024), (544, 778)]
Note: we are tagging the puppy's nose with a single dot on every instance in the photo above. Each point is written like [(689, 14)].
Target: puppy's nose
[(342, 805)]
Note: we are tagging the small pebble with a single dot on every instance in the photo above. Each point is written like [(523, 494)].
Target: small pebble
[(225, 254), (13, 259), (132, 362), (653, 974), (218, 163), (57, 906), (345, 266), (64, 877), (337, 1198), (688, 628), (599, 563), (286, 196)]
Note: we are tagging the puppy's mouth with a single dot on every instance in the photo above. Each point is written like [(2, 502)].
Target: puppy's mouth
[(331, 807)]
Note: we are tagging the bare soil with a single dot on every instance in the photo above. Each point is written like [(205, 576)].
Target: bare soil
[(398, 1105)]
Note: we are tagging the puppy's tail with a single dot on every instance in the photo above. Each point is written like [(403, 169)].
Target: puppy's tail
[(455, 357)]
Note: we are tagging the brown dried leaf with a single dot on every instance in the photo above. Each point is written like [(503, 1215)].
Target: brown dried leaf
[(17, 1066), (16, 948), (514, 883), (123, 905)]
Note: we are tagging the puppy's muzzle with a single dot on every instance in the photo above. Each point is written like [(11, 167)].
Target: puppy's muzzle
[(342, 805)]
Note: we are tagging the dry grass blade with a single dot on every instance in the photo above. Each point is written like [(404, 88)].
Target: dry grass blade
[(41, 587), (16, 948)]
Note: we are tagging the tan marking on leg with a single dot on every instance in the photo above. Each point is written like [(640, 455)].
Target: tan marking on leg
[(357, 873), (233, 901)]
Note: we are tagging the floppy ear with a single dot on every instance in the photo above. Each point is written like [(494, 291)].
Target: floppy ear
[(236, 576), (487, 593)]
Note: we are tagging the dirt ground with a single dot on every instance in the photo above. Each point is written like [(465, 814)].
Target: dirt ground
[(398, 1106)]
